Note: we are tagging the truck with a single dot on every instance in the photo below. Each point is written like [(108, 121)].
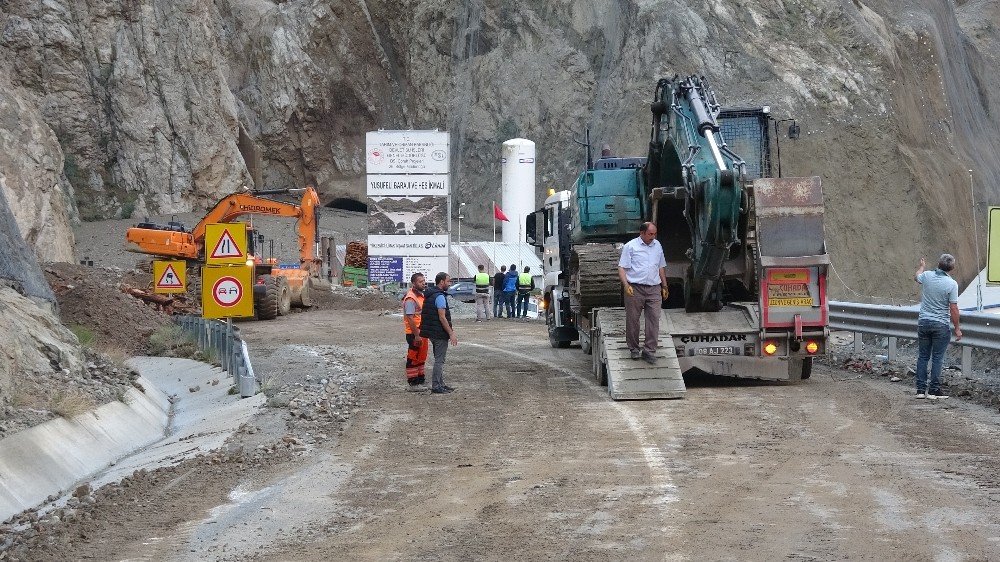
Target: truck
[(745, 252), (276, 288)]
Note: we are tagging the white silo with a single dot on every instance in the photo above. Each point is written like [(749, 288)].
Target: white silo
[(517, 173)]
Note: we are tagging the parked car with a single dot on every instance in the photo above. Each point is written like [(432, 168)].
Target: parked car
[(464, 291)]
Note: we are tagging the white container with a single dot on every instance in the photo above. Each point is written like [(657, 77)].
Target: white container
[(517, 173)]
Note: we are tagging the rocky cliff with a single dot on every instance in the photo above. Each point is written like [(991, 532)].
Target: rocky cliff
[(119, 109)]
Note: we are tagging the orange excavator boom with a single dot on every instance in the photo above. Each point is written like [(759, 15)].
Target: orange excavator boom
[(174, 242)]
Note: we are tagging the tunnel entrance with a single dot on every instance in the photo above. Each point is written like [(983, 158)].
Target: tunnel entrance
[(348, 204)]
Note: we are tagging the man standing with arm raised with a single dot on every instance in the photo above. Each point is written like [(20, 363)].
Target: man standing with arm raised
[(643, 274), (938, 305)]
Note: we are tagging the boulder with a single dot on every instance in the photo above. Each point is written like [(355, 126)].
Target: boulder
[(32, 341)]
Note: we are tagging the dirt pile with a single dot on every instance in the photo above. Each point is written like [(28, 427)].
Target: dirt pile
[(355, 298), (92, 304), (979, 386), (47, 395), (110, 326)]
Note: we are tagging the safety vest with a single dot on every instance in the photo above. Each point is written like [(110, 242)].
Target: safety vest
[(482, 282), (524, 282), (417, 298)]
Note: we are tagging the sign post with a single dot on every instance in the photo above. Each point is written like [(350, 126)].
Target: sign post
[(993, 249), (227, 292), (227, 278), (169, 276), (226, 244), (409, 218)]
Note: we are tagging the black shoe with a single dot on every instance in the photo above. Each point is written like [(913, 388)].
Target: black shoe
[(649, 358), (440, 390), (635, 353), (448, 388)]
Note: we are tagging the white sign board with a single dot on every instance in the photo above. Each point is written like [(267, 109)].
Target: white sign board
[(388, 185), (408, 245), (428, 265), (406, 152)]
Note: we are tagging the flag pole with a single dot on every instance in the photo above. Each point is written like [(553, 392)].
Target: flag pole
[(495, 234)]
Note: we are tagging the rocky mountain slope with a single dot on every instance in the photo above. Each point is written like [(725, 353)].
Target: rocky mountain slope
[(112, 110)]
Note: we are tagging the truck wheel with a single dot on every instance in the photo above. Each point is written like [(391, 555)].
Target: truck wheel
[(555, 341), (305, 299), (267, 306), (602, 373), (284, 295)]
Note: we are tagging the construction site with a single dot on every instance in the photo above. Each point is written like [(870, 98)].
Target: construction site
[(208, 241)]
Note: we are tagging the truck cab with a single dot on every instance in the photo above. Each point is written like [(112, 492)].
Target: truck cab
[(548, 230)]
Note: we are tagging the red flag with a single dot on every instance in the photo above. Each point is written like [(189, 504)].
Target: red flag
[(498, 214)]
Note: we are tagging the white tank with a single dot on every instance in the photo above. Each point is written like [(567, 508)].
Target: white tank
[(517, 173)]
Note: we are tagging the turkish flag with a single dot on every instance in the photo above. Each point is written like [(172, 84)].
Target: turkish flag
[(498, 214)]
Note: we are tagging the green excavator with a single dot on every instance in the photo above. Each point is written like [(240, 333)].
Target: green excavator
[(745, 253)]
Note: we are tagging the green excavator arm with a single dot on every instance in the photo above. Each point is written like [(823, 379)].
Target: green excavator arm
[(699, 182)]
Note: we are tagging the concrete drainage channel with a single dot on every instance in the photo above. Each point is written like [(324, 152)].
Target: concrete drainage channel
[(177, 409)]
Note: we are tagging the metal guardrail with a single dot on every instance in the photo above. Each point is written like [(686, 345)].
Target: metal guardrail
[(979, 330), (225, 340)]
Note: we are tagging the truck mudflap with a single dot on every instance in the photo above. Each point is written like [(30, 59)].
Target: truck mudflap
[(745, 367)]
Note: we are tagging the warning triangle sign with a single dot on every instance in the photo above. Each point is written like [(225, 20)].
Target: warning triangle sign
[(169, 279), (227, 247)]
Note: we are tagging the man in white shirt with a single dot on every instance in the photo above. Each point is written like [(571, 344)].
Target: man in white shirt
[(642, 270)]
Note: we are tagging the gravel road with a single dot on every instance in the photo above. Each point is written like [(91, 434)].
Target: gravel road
[(528, 459)]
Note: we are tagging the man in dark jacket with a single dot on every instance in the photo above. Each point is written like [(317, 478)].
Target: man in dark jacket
[(498, 292), (509, 289), (435, 325)]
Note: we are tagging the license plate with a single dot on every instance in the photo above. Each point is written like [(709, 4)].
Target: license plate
[(719, 350)]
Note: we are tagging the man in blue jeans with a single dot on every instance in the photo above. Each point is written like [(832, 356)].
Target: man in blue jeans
[(509, 290), (938, 305)]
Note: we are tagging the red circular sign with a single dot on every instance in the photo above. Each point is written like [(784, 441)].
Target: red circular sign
[(227, 291)]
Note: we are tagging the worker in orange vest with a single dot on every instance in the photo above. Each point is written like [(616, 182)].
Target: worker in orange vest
[(416, 352)]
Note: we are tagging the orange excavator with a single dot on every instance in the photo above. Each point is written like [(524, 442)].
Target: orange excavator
[(276, 289)]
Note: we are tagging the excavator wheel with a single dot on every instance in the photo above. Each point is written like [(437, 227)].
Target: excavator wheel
[(268, 305), (305, 298), (284, 295)]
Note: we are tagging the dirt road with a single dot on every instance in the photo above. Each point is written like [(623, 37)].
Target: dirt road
[(528, 459)]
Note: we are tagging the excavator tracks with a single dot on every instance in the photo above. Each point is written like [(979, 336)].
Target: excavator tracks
[(594, 281)]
